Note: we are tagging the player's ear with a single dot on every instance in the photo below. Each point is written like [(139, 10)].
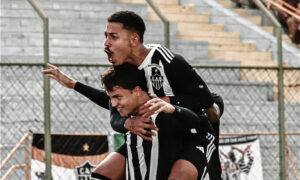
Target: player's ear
[(137, 90), (134, 39)]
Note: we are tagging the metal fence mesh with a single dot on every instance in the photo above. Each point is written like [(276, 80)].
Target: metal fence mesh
[(250, 97)]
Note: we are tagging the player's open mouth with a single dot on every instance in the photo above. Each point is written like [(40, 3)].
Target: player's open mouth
[(109, 54)]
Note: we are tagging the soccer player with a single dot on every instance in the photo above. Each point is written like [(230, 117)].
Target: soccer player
[(127, 89), (168, 76)]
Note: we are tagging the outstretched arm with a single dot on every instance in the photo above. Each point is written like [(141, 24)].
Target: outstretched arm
[(98, 96), (137, 125), (59, 76)]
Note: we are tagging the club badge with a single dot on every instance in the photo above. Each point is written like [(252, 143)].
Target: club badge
[(157, 81), (84, 171)]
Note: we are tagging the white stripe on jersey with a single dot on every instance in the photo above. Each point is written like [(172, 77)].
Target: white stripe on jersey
[(166, 85), (127, 169), (204, 172), (169, 52), (165, 52), (154, 152), (129, 156), (168, 59), (148, 73), (141, 156), (210, 147)]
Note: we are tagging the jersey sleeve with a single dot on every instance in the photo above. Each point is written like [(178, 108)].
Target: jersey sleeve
[(98, 96), (189, 88), (187, 118)]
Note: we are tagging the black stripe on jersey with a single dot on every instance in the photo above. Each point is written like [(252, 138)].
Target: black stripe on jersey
[(147, 156), (155, 60), (135, 158)]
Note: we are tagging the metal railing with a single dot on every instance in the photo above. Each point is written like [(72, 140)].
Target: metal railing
[(250, 105), (285, 7), (46, 80), (165, 21), (280, 89)]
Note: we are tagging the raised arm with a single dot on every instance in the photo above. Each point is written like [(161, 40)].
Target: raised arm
[(98, 96)]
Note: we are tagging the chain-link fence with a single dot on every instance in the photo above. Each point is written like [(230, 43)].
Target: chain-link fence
[(250, 97)]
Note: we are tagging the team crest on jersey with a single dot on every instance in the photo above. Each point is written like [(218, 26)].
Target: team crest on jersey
[(85, 170), (157, 81)]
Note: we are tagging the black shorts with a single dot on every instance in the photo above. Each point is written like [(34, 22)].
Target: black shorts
[(199, 150)]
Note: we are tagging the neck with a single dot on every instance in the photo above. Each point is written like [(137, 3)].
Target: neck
[(139, 54)]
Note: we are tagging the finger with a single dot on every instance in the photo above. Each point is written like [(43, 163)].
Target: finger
[(47, 71), (142, 109), (151, 101), (145, 137), (149, 133), (151, 127), (153, 95), (51, 66), (147, 114), (51, 76), (161, 109), (156, 106)]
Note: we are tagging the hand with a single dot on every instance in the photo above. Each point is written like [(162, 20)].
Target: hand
[(158, 105), (141, 126), (59, 76), (144, 110)]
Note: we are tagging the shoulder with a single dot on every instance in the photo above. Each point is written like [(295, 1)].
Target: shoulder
[(163, 53)]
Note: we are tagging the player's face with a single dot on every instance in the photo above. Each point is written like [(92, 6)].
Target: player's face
[(117, 43), (124, 100)]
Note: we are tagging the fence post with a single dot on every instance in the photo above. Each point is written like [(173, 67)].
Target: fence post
[(47, 110), (281, 106), (282, 149), (165, 21), (47, 104)]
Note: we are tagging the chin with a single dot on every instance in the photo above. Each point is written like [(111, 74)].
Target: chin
[(124, 114)]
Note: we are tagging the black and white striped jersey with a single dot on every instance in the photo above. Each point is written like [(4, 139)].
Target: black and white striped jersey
[(148, 160), (167, 74)]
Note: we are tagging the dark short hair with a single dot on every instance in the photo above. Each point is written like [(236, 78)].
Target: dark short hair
[(126, 76), (131, 21)]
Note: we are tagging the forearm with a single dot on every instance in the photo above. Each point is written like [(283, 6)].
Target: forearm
[(190, 102), (188, 87), (98, 96), (188, 118)]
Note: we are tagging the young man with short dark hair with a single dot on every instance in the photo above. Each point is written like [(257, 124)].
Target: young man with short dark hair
[(168, 76), (149, 160)]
